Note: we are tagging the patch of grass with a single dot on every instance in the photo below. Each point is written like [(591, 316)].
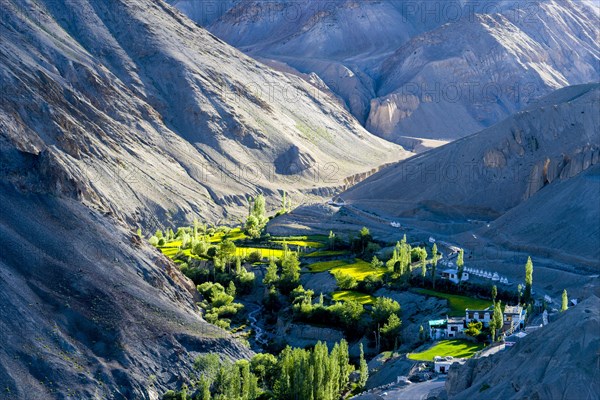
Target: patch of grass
[(327, 253), (326, 265), (266, 253), (359, 269), (233, 235), (456, 303), (301, 243), (346, 295), (456, 348)]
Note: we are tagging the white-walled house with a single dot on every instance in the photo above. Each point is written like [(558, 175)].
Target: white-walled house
[(442, 364), (437, 329), (483, 316), (454, 327), (452, 275), (514, 318)]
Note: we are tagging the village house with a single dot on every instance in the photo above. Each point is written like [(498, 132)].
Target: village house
[(437, 329), (452, 275), (514, 318), (455, 327), (442, 364), (483, 316)]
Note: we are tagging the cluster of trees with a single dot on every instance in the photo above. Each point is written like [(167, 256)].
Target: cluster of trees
[(283, 275), (363, 244), (257, 218), (218, 303), (401, 259), (316, 373), (382, 323)]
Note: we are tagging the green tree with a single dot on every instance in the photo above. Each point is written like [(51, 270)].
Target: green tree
[(271, 277), (345, 281), (332, 240), (256, 217), (460, 263), (290, 271), (375, 263), (264, 366), (231, 289), (565, 301), (474, 328), (423, 258), (528, 280), (494, 293), (519, 292), (226, 251), (363, 369), (497, 320), (434, 261), (390, 331), (383, 308)]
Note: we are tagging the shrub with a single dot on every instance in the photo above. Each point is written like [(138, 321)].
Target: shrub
[(345, 281), (153, 241), (255, 257)]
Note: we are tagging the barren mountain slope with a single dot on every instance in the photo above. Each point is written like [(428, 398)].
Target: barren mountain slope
[(484, 175), (86, 312), (139, 111), (559, 361), (468, 75), (420, 69), (561, 221)]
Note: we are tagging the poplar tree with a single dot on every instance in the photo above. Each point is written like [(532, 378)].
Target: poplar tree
[(363, 369), (434, 261), (565, 301), (528, 280)]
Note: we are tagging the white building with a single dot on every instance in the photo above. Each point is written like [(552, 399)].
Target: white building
[(437, 329), (452, 275), (454, 327), (483, 316), (442, 364), (514, 318)]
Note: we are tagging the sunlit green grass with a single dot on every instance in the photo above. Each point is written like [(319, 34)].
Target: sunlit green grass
[(359, 269), (346, 295), (327, 253), (455, 348), (233, 235), (456, 303), (326, 265), (301, 243), (265, 253)]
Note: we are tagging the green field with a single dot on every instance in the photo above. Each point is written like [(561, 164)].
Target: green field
[(301, 243), (326, 265), (266, 253), (455, 348), (359, 269), (456, 303), (233, 235), (346, 295), (327, 253)]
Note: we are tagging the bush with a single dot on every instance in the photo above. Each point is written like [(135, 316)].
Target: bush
[(255, 257), (345, 281), (153, 241)]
